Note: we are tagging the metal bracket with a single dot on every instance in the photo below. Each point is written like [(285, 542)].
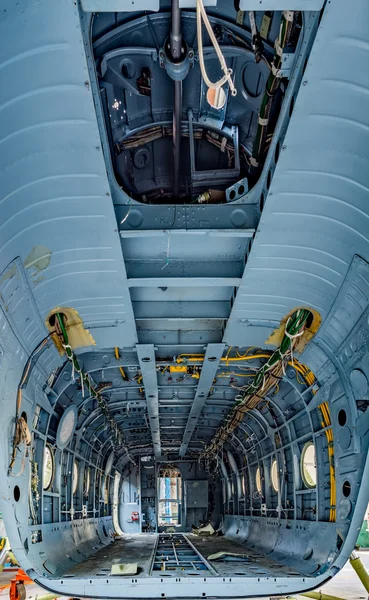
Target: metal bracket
[(217, 176), (288, 60), (177, 71)]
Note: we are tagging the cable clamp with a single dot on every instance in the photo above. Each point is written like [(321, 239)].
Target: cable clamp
[(276, 72), (70, 358), (288, 15), (263, 122), (295, 335), (278, 48), (253, 162)]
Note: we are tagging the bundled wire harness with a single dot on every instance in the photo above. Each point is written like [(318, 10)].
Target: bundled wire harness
[(86, 383), (327, 424), (264, 380), (271, 87), (22, 434)]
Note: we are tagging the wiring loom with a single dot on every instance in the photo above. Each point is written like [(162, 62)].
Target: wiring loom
[(264, 380), (86, 382)]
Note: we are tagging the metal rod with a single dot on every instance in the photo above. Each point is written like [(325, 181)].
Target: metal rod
[(203, 560), (360, 569), (176, 53), (320, 596), (177, 135), (175, 32)]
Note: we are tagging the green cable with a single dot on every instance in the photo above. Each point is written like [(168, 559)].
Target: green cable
[(293, 326), (102, 403), (271, 87)]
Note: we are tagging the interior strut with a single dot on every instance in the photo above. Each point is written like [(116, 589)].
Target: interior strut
[(175, 47)]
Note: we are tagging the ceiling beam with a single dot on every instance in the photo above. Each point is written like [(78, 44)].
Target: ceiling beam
[(201, 282), (146, 357), (181, 310), (210, 366), (236, 233)]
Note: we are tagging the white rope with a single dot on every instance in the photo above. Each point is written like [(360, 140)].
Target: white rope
[(292, 337), (201, 14), (70, 358)]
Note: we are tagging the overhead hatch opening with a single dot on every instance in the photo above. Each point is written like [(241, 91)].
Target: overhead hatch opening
[(191, 98)]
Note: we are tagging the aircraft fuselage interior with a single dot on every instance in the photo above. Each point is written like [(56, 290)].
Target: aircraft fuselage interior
[(184, 293)]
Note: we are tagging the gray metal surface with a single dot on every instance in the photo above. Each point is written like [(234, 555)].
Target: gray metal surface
[(315, 216), (197, 493), (281, 5), (146, 357), (159, 281), (119, 5), (210, 366)]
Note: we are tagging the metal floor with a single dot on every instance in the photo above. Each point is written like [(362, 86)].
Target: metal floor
[(254, 565), (186, 555), (132, 548)]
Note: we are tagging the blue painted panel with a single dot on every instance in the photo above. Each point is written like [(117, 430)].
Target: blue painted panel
[(281, 4), (316, 216), (55, 198), (119, 5)]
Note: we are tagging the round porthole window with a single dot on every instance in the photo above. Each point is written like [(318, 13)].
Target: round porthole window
[(75, 477), (66, 427), (308, 465), (258, 480), (48, 467), (274, 475)]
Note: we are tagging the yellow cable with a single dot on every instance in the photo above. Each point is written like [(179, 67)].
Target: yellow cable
[(117, 356), (236, 374), (329, 435)]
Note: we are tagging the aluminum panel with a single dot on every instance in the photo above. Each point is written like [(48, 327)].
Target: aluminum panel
[(56, 208), (281, 4), (316, 215), (119, 5)]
